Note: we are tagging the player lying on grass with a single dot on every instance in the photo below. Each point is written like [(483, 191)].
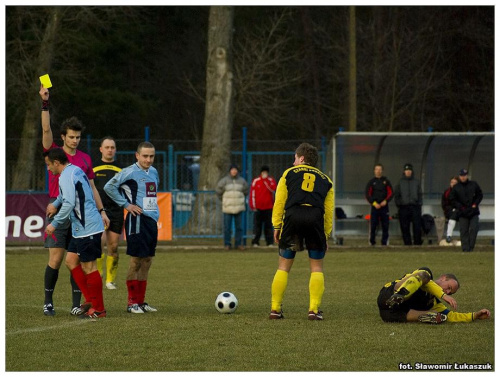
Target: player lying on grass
[(417, 297)]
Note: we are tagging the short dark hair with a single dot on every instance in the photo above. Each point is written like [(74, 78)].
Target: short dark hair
[(309, 152), (452, 276), (379, 164), (144, 144), (107, 138), (72, 123), (56, 154)]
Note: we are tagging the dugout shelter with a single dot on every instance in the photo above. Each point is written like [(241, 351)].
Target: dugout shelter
[(435, 156)]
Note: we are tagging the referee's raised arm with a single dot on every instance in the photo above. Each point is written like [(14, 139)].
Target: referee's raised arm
[(47, 137)]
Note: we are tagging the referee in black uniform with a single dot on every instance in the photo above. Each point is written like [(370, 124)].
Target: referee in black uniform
[(104, 170)]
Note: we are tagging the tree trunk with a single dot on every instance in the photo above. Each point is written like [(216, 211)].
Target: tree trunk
[(25, 166), (218, 123)]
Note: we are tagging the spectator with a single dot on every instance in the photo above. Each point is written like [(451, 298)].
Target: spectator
[(465, 198), (261, 201), (379, 192), (232, 189), (408, 198), (450, 213)]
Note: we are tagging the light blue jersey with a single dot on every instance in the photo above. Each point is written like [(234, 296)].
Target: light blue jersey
[(77, 198), (134, 185)]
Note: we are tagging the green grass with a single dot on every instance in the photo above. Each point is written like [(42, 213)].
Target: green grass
[(187, 334)]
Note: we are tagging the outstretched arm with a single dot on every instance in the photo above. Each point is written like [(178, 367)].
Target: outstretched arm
[(47, 137)]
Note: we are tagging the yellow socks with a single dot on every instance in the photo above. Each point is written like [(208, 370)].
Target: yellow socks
[(111, 268), (99, 263), (316, 290), (278, 288)]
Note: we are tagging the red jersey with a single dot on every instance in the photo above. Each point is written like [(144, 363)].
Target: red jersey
[(262, 193), (80, 159)]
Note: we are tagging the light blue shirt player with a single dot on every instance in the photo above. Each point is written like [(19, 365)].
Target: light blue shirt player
[(77, 198), (138, 186)]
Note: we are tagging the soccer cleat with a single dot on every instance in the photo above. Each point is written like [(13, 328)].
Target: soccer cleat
[(315, 316), (395, 300), (276, 315), (135, 309), (432, 318), (255, 245), (146, 308), (82, 309), (111, 285), (92, 315), (48, 309), (448, 239), (270, 245)]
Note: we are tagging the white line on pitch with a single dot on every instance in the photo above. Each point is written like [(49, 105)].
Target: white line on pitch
[(46, 328)]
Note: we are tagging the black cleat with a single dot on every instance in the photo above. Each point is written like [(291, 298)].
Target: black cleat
[(315, 316), (48, 309), (432, 318), (395, 300), (276, 315)]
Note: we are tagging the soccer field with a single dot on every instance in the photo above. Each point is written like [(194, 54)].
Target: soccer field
[(188, 334)]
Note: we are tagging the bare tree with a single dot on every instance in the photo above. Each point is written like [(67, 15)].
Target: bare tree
[(267, 77), (24, 166), (218, 123)]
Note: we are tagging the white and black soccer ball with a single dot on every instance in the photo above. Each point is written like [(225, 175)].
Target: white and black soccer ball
[(226, 303)]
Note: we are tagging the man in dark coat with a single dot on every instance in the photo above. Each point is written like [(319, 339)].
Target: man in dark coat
[(408, 198), (465, 198)]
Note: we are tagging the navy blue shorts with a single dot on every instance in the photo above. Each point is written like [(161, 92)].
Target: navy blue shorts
[(88, 248), (142, 236)]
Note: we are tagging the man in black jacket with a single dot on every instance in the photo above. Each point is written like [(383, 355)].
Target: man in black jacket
[(378, 192), (465, 197), (408, 198)]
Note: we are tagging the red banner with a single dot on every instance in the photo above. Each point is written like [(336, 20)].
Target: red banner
[(25, 216)]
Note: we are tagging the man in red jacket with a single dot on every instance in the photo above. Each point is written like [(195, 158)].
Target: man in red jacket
[(261, 201)]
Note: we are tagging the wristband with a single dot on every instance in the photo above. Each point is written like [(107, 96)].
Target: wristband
[(45, 105), (102, 210)]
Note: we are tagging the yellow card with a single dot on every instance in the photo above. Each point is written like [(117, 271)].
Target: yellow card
[(45, 80)]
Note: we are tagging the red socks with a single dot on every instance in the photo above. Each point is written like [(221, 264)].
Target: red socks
[(94, 286), (136, 291), (81, 280)]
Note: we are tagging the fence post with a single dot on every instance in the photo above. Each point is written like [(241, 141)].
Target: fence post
[(245, 176), (170, 167)]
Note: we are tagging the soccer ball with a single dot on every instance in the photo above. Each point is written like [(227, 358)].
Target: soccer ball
[(226, 303)]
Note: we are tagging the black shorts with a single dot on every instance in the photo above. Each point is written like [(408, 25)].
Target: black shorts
[(303, 223), (61, 236), (115, 216), (142, 236), (397, 313), (88, 248)]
